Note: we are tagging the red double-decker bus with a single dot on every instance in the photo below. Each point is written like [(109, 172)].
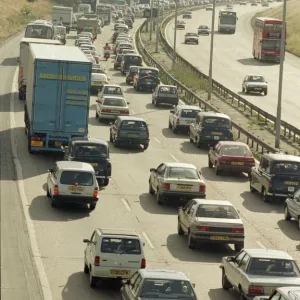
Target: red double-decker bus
[(267, 39)]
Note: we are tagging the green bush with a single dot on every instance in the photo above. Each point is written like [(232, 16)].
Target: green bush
[(25, 11)]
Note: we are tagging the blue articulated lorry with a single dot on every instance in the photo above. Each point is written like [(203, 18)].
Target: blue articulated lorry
[(57, 97)]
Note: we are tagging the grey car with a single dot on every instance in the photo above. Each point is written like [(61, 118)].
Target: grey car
[(165, 94), (191, 38), (159, 284), (203, 30), (283, 293), (255, 83), (292, 207)]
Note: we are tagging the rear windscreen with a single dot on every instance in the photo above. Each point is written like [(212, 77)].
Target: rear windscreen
[(133, 59), (167, 90), (120, 246), (149, 72), (216, 122), (96, 150), (134, 125), (189, 113), (286, 168), (77, 178)]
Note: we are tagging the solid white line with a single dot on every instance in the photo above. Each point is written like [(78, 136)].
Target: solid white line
[(44, 282), (148, 240), (133, 112), (174, 157), (126, 204), (260, 245), (156, 139)]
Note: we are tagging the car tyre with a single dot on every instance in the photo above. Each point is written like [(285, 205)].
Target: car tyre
[(217, 170), (86, 269), (111, 138), (53, 202), (159, 198), (191, 242), (92, 206), (241, 296), (93, 280), (299, 222), (210, 164), (238, 247), (225, 283), (265, 92), (48, 194), (146, 146), (179, 229), (151, 190), (264, 195), (106, 182), (96, 115), (170, 125), (287, 215), (174, 129)]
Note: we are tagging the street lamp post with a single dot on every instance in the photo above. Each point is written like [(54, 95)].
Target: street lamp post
[(211, 50), (157, 27), (175, 35), (282, 55), (151, 20)]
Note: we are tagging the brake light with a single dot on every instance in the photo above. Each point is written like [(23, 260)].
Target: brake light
[(254, 289), (97, 261), (166, 186), (56, 191), (202, 189), (35, 139), (149, 75), (158, 81), (95, 192), (106, 110), (130, 77), (178, 122), (237, 230), (106, 82), (124, 112), (143, 263), (202, 228)]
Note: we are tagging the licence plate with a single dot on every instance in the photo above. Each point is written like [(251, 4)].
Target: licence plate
[(237, 163), (257, 89), (94, 164), (119, 272), (148, 82), (98, 82), (37, 143), (133, 135), (291, 183), (76, 189), (219, 238), (216, 138), (184, 188), (291, 189), (57, 144), (217, 133)]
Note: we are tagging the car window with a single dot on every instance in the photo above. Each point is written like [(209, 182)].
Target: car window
[(134, 125), (167, 90), (183, 173), (239, 150), (112, 90), (137, 284), (216, 122), (114, 102), (55, 171), (244, 262), (93, 237), (290, 167), (256, 79), (189, 206), (133, 59), (161, 169), (239, 257), (134, 277), (77, 178), (192, 209), (91, 150), (273, 267), (217, 211), (120, 245), (189, 113), (297, 194), (149, 71), (277, 296)]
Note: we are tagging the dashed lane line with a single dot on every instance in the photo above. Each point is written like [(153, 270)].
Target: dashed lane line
[(124, 201), (148, 240)]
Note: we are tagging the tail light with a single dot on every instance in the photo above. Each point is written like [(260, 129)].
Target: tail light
[(124, 112), (56, 191), (106, 82), (202, 228), (97, 261), (254, 289), (106, 110), (96, 191), (237, 230), (223, 161), (130, 77), (202, 189), (178, 122), (35, 139), (158, 81), (143, 263), (166, 186)]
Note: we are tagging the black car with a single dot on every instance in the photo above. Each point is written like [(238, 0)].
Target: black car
[(131, 73), (277, 176), (147, 78), (130, 60), (117, 63), (165, 94), (93, 151)]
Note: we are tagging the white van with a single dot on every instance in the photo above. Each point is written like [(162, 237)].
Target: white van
[(84, 8)]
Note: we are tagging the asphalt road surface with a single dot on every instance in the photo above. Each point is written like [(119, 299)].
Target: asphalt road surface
[(125, 203), (233, 60)]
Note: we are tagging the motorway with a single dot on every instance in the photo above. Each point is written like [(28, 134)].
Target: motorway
[(125, 203), (233, 60)]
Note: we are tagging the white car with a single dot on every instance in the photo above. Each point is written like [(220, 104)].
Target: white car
[(72, 182), (110, 107), (88, 46), (111, 90), (128, 51), (255, 83), (91, 58), (98, 81), (113, 253)]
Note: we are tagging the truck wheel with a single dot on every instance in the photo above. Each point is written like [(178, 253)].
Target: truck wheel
[(225, 283)]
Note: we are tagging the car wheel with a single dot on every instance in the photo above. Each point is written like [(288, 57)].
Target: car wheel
[(151, 190), (191, 139), (198, 144), (53, 202), (152, 100), (265, 92), (175, 130), (111, 138), (156, 103), (92, 206), (179, 229), (225, 283), (210, 164), (287, 215), (191, 242), (48, 194), (238, 247), (115, 143), (241, 296), (86, 269), (264, 195), (106, 182), (146, 146), (252, 189), (96, 115), (217, 170), (159, 198), (170, 125), (243, 90), (299, 222), (93, 280), (246, 91)]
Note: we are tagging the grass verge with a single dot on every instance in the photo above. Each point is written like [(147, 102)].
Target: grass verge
[(292, 22), (15, 14)]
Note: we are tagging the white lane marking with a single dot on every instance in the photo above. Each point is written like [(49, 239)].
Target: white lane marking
[(126, 204), (37, 257), (156, 139), (174, 157), (285, 78), (260, 245), (133, 112), (148, 240)]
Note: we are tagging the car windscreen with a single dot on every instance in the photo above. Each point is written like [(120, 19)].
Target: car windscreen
[(167, 90), (112, 90), (167, 288), (239, 150), (120, 245), (91, 150), (133, 59), (256, 79), (134, 125), (216, 122), (183, 173), (114, 102), (288, 167), (77, 178), (273, 267), (216, 211), (119, 58), (149, 72), (189, 113)]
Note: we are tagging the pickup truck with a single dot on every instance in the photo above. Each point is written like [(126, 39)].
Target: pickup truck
[(57, 97)]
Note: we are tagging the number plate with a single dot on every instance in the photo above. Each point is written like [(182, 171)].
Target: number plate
[(257, 89), (291, 183), (237, 163), (76, 189), (94, 164), (57, 144), (132, 135), (37, 143), (216, 138), (217, 133), (291, 189), (119, 272), (183, 188), (219, 238)]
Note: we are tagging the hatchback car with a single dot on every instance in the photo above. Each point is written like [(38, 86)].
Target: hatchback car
[(165, 94), (72, 182), (203, 30), (111, 90), (130, 60), (113, 254), (147, 78), (255, 83), (98, 81), (133, 70), (117, 62), (209, 7)]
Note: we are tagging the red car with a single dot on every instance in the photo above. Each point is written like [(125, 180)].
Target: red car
[(231, 156)]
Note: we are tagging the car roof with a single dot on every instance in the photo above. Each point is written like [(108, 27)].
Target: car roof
[(166, 85), (232, 143), (113, 97), (214, 202), (84, 140), (74, 165), (132, 54), (213, 114), (179, 165), (282, 157), (188, 107), (268, 253), (290, 292), (117, 232), (149, 68), (255, 75), (130, 118), (163, 274), (113, 85)]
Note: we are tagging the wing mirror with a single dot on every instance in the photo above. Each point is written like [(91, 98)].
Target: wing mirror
[(86, 241), (231, 259), (128, 102), (193, 285), (98, 101), (152, 170), (50, 170)]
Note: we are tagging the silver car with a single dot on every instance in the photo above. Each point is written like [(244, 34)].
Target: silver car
[(255, 83), (213, 221), (110, 107), (258, 272), (111, 90)]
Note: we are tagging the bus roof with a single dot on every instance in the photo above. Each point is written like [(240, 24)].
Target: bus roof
[(40, 41), (263, 19)]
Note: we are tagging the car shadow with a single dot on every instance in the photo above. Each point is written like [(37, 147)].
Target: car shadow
[(251, 94), (290, 229), (126, 149), (217, 294), (253, 62), (5, 100), (254, 203), (209, 174), (94, 121), (41, 210), (10, 62), (77, 287), (149, 205), (124, 84), (209, 253), (190, 148), (118, 74), (152, 107), (131, 90), (168, 133)]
